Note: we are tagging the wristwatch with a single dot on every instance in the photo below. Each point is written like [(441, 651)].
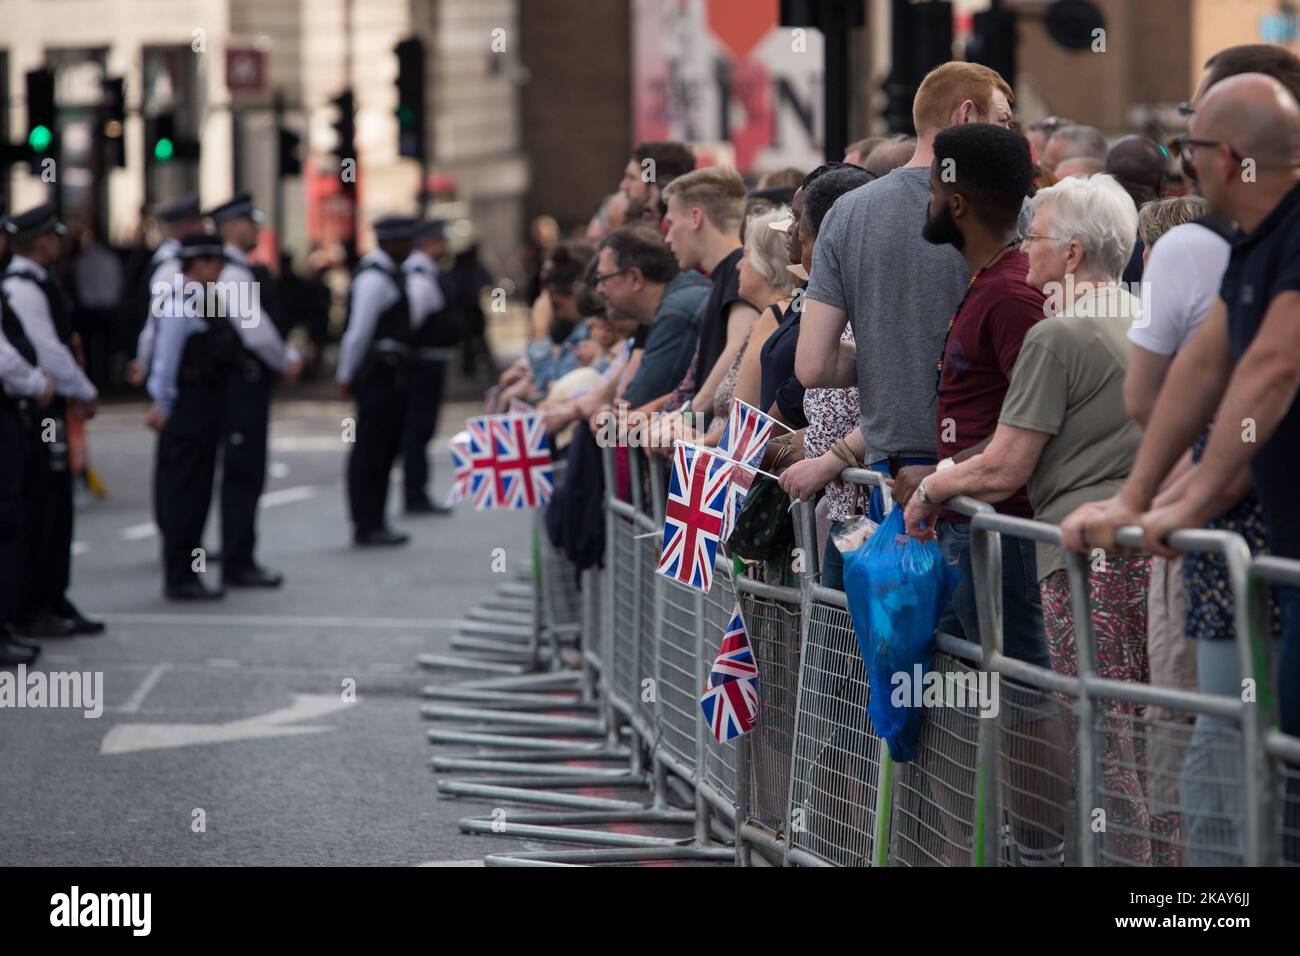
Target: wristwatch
[(921, 494)]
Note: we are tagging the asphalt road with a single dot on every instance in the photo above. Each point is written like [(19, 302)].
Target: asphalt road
[(236, 708)]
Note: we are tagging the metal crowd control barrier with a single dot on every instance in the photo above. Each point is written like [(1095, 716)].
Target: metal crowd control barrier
[(813, 785), (645, 673), (977, 783), (1281, 751)]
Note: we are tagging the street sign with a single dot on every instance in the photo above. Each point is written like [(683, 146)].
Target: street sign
[(245, 69)]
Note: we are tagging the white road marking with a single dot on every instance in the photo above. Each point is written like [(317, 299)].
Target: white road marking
[(225, 662), (137, 697), (453, 863), (271, 620), (291, 443), (125, 738), (278, 469), (287, 495), (283, 496), (80, 547)]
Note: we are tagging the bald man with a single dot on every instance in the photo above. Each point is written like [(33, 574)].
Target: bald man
[(1242, 366)]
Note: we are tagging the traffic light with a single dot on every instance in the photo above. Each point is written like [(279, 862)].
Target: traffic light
[(162, 137), (164, 144), (42, 119), (112, 124), (410, 98), (345, 126), (290, 160)]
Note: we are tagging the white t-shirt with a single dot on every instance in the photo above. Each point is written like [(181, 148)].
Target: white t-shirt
[(1182, 281)]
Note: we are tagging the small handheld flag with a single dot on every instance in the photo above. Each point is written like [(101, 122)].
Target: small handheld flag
[(730, 703)]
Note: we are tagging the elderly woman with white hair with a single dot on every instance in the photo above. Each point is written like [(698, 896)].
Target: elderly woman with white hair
[(1063, 429)]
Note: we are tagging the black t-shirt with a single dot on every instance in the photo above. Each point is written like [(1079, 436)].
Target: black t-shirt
[(713, 321), (1265, 264), (778, 384)]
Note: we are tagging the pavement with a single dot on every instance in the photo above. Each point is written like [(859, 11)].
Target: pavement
[(227, 736)]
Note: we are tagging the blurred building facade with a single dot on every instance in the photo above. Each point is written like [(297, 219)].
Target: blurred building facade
[(219, 66)]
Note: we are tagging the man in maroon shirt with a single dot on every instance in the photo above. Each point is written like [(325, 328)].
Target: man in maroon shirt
[(978, 182)]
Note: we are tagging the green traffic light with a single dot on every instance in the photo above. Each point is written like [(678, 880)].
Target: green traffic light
[(40, 138), (163, 150)]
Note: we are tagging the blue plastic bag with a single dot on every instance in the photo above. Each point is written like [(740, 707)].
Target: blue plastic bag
[(897, 589)]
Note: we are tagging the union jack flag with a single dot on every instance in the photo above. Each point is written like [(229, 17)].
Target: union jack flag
[(697, 500), (730, 702), (741, 480), (483, 485), (747, 434), (462, 468), (518, 459)]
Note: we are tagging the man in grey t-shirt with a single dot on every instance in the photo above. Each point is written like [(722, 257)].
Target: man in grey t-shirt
[(872, 267)]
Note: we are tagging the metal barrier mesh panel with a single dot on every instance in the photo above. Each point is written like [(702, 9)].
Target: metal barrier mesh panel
[(1037, 774), (624, 614), (561, 598), (593, 617), (719, 770), (1144, 822), (678, 675), (648, 635), (933, 821), (1287, 824), (774, 637), (836, 763)]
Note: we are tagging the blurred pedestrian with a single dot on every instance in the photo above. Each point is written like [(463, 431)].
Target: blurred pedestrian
[(374, 363), (433, 334), (44, 310), (196, 353)]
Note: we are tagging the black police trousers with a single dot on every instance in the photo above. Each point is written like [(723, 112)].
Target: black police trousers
[(184, 473), (13, 452), (243, 464), (46, 550), (424, 400), (381, 396)]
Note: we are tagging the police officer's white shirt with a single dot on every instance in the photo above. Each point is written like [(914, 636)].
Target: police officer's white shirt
[(423, 290), (33, 311), (256, 329), (165, 267), (18, 378), (372, 294), (175, 327)]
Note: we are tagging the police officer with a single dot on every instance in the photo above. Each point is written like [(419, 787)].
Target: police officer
[(178, 218), (263, 357), (24, 390), (374, 360), (43, 312), (196, 354), (433, 333)]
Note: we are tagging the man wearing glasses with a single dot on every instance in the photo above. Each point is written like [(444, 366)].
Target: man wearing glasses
[(1240, 369)]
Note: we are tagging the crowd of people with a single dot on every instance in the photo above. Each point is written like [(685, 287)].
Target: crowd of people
[(1095, 334)]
